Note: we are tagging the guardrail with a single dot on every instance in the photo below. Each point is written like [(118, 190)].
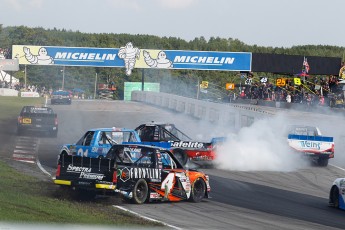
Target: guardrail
[(235, 116)]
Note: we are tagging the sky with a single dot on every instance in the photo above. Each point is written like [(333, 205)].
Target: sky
[(269, 23)]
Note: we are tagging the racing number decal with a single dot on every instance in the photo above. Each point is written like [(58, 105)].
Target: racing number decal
[(82, 153), (168, 184)]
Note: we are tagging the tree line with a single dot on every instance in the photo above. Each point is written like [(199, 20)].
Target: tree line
[(183, 82)]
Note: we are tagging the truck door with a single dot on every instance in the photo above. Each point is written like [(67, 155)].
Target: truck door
[(84, 145)]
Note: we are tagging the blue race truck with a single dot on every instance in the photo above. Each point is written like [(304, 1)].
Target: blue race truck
[(97, 142)]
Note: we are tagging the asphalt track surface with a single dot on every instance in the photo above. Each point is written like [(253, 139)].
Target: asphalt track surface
[(240, 199)]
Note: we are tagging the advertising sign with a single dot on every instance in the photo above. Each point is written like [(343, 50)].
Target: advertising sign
[(9, 64), (137, 86), (130, 57)]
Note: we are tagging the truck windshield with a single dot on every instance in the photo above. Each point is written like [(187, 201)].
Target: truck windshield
[(167, 161)]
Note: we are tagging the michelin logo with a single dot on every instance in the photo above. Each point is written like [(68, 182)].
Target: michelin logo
[(204, 60), (42, 58)]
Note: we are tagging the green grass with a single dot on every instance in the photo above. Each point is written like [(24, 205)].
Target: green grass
[(26, 199), (11, 106)]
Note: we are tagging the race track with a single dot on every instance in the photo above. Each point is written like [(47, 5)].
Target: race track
[(242, 198)]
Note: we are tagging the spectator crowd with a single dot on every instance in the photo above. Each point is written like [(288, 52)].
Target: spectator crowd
[(321, 91)]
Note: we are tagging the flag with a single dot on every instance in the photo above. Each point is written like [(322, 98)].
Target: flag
[(305, 66)]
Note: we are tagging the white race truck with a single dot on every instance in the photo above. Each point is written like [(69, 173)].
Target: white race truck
[(309, 140)]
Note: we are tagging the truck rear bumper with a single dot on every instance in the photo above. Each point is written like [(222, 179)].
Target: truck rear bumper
[(38, 128), (93, 186)]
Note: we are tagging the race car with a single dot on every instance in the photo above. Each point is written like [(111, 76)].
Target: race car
[(310, 141), (39, 119), (141, 173), (97, 142), (337, 194), (182, 146), (61, 97)]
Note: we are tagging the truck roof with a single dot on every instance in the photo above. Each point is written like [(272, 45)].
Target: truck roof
[(304, 130), (113, 129)]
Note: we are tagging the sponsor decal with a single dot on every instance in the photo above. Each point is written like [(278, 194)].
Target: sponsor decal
[(310, 144), (204, 59), (154, 195), (77, 169), (91, 176), (85, 173), (135, 153), (140, 173), (202, 158), (187, 144), (100, 150), (84, 56), (124, 174), (185, 181)]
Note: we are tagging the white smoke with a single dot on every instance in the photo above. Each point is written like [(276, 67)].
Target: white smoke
[(260, 147)]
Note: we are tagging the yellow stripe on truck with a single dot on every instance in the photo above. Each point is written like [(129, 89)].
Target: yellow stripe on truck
[(105, 186), (63, 182)]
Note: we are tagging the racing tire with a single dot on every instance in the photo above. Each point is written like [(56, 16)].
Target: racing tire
[(335, 197), (140, 192), (198, 190), (181, 156), (322, 162)]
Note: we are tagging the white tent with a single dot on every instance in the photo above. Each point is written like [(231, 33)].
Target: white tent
[(6, 77)]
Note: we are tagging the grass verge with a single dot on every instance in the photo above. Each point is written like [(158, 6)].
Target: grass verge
[(24, 199), (27, 199), (11, 106)]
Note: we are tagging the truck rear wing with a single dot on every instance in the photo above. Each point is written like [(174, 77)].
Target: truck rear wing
[(85, 172), (310, 138)]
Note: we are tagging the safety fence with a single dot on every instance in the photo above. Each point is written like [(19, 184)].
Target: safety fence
[(235, 116)]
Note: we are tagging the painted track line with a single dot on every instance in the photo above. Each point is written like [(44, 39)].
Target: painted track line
[(145, 217), (38, 163), (337, 167)]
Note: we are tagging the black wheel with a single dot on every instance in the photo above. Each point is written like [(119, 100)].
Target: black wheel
[(198, 190), (322, 162), (181, 156), (335, 197), (140, 192)]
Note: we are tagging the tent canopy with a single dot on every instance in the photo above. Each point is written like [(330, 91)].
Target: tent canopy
[(6, 77)]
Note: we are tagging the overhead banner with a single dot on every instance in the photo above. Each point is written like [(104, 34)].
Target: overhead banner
[(131, 57)]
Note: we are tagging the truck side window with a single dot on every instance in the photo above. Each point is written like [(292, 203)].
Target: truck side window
[(88, 138), (167, 161), (132, 138), (147, 134), (146, 160), (103, 138)]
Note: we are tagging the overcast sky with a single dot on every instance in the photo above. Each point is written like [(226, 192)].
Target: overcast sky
[(276, 23)]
